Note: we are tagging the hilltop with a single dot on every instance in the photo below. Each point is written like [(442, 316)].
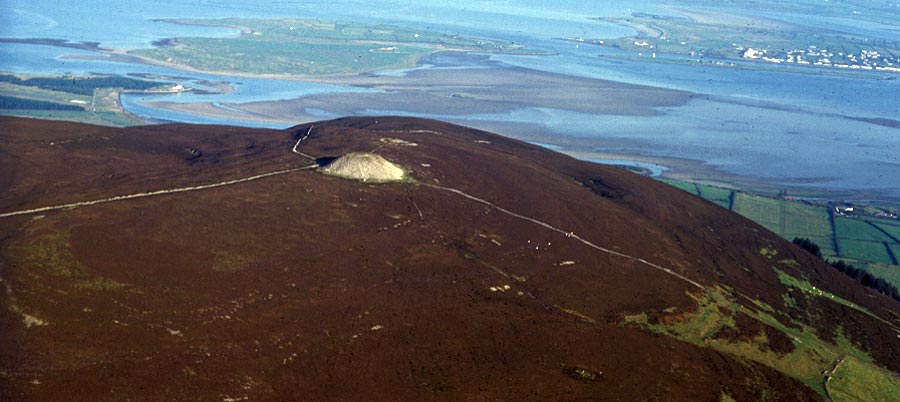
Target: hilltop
[(184, 262)]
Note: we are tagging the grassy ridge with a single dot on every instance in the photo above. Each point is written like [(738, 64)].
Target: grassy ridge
[(808, 362), (854, 380)]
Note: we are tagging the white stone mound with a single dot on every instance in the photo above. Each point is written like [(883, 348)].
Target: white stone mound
[(364, 167)]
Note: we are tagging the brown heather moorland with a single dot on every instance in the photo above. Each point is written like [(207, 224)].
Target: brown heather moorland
[(495, 270)]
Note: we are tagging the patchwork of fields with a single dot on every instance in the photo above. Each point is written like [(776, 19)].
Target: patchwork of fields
[(90, 98), (867, 242)]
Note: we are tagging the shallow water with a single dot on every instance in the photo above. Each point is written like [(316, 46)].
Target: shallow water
[(783, 127), (655, 170)]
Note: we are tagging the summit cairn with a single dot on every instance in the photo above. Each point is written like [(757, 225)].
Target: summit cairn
[(365, 167)]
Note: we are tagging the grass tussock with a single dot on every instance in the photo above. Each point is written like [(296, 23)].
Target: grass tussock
[(809, 361), (50, 254)]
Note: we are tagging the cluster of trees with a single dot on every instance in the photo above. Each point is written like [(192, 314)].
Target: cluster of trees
[(867, 279), (862, 276), (81, 86), (9, 102), (808, 245)]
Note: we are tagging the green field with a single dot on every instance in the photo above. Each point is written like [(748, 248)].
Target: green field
[(311, 47), (853, 229), (768, 212), (891, 227), (717, 195), (811, 358), (689, 187), (861, 240), (803, 220), (854, 380), (29, 92), (90, 99), (864, 251), (825, 243), (890, 273), (85, 85)]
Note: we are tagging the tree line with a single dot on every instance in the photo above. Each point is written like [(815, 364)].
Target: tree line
[(862, 276), (9, 102), (81, 86)]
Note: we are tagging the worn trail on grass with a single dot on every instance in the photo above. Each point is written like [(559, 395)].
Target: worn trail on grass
[(155, 193), (568, 234)]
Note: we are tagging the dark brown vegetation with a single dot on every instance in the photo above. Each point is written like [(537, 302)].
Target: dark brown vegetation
[(304, 286), (865, 278)]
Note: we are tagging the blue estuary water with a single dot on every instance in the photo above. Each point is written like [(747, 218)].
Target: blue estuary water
[(797, 128)]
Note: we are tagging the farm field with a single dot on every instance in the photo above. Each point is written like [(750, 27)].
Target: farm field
[(864, 241), (864, 251), (889, 273), (689, 187), (717, 195), (867, 242), (857, 230), (768, 212), (90, 99), (891, 229)]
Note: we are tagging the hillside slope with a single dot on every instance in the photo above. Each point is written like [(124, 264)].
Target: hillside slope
[(222, 265)]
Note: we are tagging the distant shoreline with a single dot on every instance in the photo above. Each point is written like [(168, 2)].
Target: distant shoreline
[(429, 100), (91, 46)]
